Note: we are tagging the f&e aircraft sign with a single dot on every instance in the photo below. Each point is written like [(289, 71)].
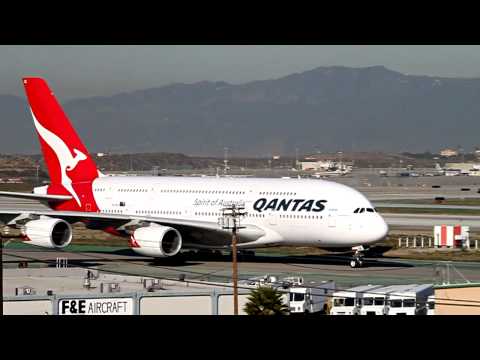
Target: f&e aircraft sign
[(104, 306)]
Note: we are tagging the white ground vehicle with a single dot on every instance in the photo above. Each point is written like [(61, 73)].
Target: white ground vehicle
[(410, 301), (376, 302), (431, 305), (265, 280), (270, 281), (310, 299), (293, 280), (348, 302)]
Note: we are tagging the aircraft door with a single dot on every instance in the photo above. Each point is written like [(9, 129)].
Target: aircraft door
[(332, 218), (272, 218)]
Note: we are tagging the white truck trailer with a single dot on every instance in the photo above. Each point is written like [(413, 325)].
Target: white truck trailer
[(311, 298), (376, 302), (348, 302), (410, 301)]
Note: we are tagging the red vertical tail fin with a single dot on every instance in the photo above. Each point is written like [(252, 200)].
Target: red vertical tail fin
[(69, 164)]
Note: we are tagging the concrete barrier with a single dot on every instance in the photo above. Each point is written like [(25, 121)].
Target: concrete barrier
[(176, 305), (28, 307), (167, 302), (225, 304)]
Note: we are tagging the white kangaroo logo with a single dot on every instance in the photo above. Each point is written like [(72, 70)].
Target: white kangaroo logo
[(64, 156)]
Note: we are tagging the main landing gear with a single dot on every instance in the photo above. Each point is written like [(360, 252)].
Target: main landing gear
[(357, 259)]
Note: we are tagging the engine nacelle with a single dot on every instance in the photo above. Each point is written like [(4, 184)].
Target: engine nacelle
[(50, 233), (156, 241)]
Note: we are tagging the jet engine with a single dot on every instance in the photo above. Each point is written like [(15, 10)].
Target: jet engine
[(50, 233), (156, 241)]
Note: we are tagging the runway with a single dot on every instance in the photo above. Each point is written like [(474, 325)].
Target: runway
[(424, 206), (427, 221), (382, 271), (417, 193)]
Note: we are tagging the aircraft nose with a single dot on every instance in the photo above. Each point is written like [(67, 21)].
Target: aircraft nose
[(381, 229), (384, 228), (377, 231)]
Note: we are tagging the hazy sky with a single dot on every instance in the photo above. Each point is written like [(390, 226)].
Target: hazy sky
[(80, 71)]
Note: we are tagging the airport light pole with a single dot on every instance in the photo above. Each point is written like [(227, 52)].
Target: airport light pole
[(296, 158), (230, 220), (225, 160), (38, 167)]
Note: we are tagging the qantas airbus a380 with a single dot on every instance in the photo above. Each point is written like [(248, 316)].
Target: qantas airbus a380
[(162, 215)]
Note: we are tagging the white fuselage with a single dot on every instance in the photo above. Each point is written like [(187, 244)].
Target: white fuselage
[(296, 212)]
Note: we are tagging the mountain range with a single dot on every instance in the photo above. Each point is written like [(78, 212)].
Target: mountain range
[(325, 109)]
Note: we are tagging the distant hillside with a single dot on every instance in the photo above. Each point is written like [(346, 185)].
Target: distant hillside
[(327, 108)]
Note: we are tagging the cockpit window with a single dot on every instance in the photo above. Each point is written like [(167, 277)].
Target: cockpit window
[(362, 210)]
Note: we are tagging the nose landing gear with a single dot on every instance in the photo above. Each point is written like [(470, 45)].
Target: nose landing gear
[(357, 259), (356, 262)]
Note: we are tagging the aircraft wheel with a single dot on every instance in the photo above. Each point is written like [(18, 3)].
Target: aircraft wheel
[(356, 263)]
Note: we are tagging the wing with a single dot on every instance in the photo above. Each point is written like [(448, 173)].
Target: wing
[(197, 234)]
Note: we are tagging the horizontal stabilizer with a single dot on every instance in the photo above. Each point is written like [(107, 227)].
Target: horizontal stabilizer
[(40, 197)]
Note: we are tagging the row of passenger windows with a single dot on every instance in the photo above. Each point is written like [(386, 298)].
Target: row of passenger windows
[(203, 192), (122, 190), (166, 212), (158, 212), (220, 214), (361, 210), (187, 191), (207, 214), (113, 211), (300, 217), (132, 190), (182, 191)]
